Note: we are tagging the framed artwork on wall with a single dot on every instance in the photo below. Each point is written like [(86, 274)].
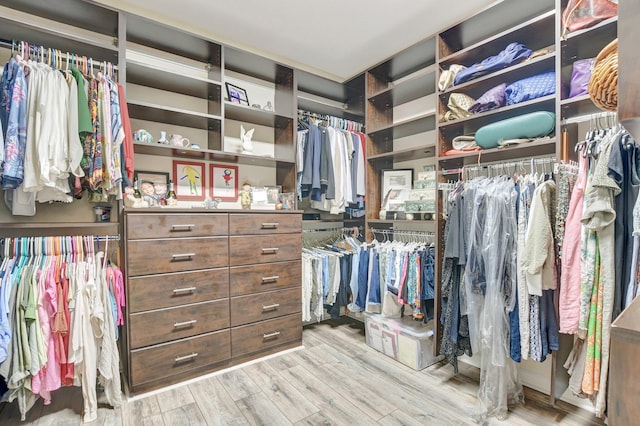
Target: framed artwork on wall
[(223, 182), (189, 179)]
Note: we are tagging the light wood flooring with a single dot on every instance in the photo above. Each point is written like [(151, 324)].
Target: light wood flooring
[(335, 380)]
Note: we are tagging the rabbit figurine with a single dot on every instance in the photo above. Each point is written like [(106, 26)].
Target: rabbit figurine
[(247, 146)]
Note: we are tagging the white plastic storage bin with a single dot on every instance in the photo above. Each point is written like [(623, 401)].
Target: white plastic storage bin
[(404, 340)]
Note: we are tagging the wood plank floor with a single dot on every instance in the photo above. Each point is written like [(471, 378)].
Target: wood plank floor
[(335, 380)]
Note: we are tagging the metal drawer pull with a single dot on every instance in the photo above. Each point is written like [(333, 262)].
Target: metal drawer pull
[(184, 323), (182, 227), (270, 225), (270, 279), (270, 307), (186, 357), (271, 335), (182, 256), (270, 250), (184, 290)]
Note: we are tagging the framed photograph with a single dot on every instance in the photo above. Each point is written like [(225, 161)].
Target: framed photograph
[(273, 194), (223, 182), (189, 179), (427, 175), (152, 185), (288, 200), (259, 195), (396, 179), (422, 195), (236, 95)]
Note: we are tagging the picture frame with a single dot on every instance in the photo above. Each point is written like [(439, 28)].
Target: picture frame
[(236, 94), (259, 195), (288, 200), (152, 185), (223, 182), (189, 180), (273, 194), (395, 179)]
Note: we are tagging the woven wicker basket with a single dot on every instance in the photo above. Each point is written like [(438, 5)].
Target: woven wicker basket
[(603, 84)]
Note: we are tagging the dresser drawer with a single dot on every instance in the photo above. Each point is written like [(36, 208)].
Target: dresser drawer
[(247, 250), (165, 360), (262, 306), (150, 225), (175, 255), (270, 276), (254, 337), (178, 288), (149, 328), (255, 224)]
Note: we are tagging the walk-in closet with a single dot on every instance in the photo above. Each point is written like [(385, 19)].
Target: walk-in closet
[(259, 213)]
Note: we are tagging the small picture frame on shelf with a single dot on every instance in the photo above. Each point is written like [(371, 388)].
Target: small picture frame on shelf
[(259, 196), (237, 95), (288, 200), (396, 179), (152, 185), (223, 182), (273, 194), (189, 179)]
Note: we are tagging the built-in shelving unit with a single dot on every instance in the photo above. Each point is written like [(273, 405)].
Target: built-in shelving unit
[(406, 79)]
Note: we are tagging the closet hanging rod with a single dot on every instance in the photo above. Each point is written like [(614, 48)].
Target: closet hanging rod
[(13, 44)]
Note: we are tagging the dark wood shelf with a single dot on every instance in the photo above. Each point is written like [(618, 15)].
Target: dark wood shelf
[(588, 32), (208, 154), (172, 81), (589, 42), (175, 116), (415, 153), (20, 26), (545, 146), (408, 61), (411, 126), (500, 113), (60, 228), (255, 115), (392, 221), (412, 88), (532, 30), (506, 75), (577, 106)]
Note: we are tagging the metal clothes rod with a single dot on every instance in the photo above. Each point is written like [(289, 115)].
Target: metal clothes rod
[(72, 58), (343, 123)]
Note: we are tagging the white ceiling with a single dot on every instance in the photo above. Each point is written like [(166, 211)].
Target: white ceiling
[(334, 38)]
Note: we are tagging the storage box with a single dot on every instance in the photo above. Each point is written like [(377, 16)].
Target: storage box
[(405, 340)]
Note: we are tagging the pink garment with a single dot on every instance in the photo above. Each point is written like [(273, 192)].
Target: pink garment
[(116, 286), (48, 378), (569, 305)]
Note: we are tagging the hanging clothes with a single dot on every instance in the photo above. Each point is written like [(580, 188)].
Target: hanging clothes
[(332, 172), (58, 321), (58, 126)]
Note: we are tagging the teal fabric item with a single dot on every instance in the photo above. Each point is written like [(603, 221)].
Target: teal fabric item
[(526, 126)]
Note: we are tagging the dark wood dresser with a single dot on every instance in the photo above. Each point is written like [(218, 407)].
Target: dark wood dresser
[(207, 290)]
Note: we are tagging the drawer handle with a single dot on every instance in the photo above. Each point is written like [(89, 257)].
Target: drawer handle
[(184, 290), (270, 307), (186, 357), (271, 335), (184, 323), (270, 279), (182, 227), (179, 256), (270, 250), (270, 225)]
